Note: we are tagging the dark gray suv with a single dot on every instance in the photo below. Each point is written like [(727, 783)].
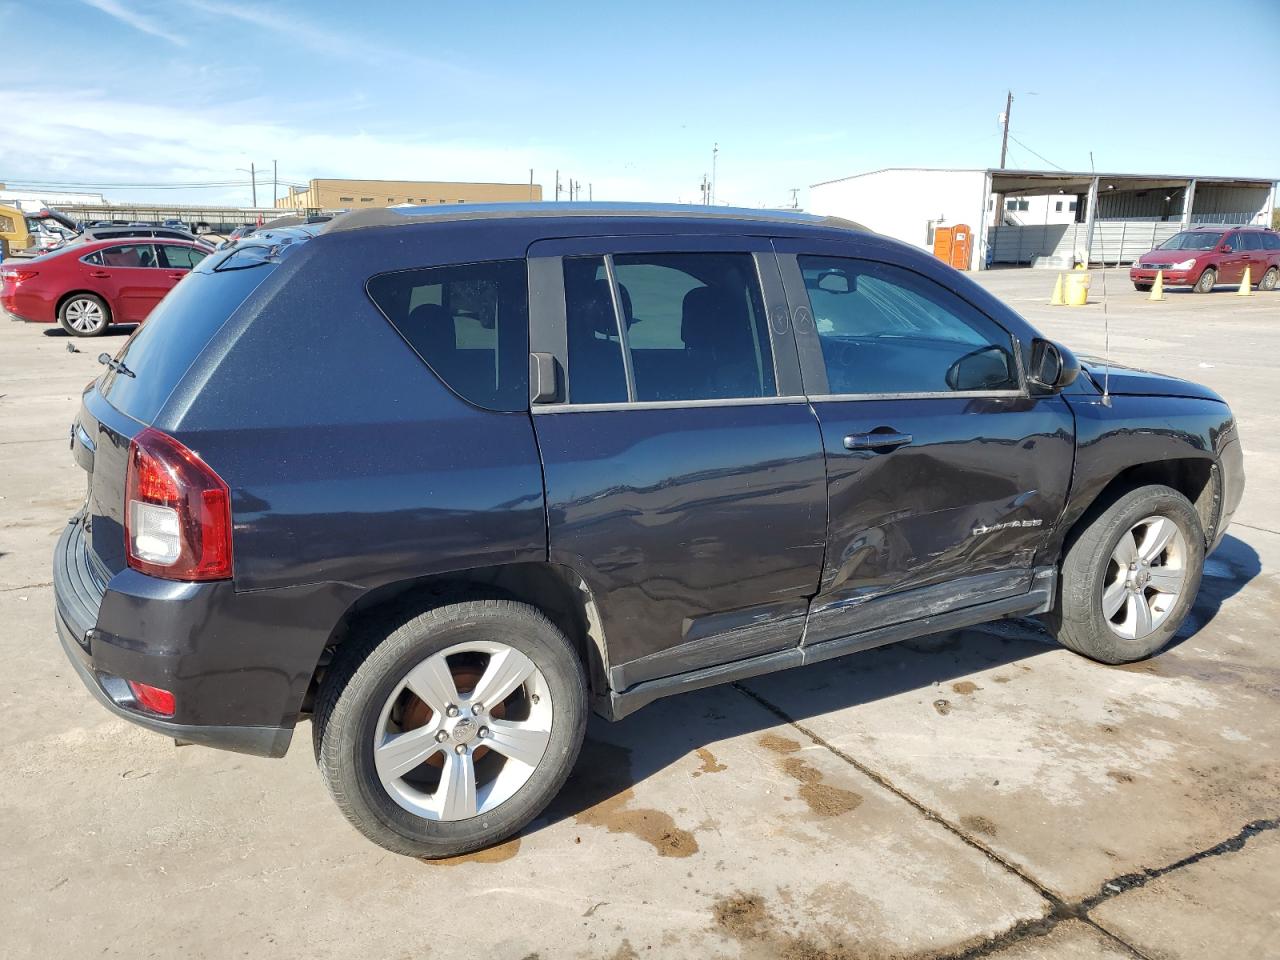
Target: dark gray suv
[(445, 481)]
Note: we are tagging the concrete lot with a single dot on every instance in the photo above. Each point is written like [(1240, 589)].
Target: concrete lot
[(977, 794)]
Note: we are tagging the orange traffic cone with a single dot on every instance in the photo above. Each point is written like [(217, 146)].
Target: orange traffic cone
[(1157, 289), (1246, 284), (1056, 300)]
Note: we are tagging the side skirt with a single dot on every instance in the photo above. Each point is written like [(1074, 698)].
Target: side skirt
[(1039, 599)]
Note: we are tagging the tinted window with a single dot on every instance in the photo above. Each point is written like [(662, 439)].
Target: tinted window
[(161, 350), (181, 258), (469, 322), (94, 258), (1248, 241), (130, 255), (1271, 241), (596, 372), (886, 330), (694, 324)]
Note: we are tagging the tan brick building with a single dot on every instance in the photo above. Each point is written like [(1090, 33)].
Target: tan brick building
[(353, 194)]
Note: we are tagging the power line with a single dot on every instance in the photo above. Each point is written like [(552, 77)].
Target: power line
[(1029, 150)]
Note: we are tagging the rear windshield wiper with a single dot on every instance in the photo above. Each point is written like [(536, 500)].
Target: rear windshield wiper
[(117, 365)]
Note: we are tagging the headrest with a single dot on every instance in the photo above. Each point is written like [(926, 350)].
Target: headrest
[(707, 315), (432, 327)]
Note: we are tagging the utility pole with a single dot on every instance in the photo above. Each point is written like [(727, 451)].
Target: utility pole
[(1004, 141), (557, 186), (254, 177), (795, 198), (531, 183), (715, 150), (275, 182), (590, 194)]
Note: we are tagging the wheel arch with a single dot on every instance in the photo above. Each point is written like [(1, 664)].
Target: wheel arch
[(554, 589), (106, 304), (1198, 479)]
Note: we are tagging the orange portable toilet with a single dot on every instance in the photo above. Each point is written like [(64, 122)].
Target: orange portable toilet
[(953, 245)]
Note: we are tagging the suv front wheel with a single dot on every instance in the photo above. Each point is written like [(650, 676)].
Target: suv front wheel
[(453, 730), (1130, 577)]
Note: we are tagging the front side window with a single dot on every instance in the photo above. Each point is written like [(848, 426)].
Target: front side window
[(469, 322), (887, 330), (181, 258), (691, 325), (1249, 241)]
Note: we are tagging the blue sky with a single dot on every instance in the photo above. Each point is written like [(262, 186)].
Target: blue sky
[(628, 97)]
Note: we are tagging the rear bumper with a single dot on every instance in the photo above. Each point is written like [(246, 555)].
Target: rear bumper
[(30, 307), (105, 660)]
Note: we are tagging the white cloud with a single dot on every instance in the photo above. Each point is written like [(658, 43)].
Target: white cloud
[(137, 20), (87, 136)]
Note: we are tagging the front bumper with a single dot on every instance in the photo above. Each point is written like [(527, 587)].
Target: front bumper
[(1172, 278), (105, 660)]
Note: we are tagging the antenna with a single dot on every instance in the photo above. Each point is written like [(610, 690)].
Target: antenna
[(1106, 319)]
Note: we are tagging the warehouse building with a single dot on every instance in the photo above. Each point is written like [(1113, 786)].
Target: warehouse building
[(353, 194), (1050, 218)]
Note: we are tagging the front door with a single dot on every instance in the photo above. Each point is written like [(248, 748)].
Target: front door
[(132, 271), (1231, 263), (683, 466), (944, 474)]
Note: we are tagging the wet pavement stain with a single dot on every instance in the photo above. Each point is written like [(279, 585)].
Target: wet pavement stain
[(979, 824), (746, 918), (598, 794), (822, 798), (1119, 776), (784, 745), (709, 762), (1001, 679), (965, 687), (496, 854)]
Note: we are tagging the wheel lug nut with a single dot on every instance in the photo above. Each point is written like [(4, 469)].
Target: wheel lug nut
[(451, 711), (441, 737), (460, 749), (535, 698), (484, 732), (477, 708)]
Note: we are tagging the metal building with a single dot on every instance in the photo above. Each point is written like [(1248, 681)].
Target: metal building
[(1043, 217)]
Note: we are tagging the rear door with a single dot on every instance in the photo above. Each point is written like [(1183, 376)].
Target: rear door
[(944, 475), (177, 260), (683, 466), (132, 271), (1255, 257)]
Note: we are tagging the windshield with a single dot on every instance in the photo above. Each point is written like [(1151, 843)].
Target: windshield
[(1191, 240)]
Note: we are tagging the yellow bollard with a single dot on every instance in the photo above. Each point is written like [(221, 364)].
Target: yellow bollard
[(1246, 284), (1077, 290), (1056, 300), (1157, 288)]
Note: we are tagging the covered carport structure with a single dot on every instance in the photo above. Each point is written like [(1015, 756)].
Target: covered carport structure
[(1118, 216)]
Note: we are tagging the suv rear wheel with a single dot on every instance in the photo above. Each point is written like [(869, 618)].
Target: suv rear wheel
[(1130, 577), (1269, 279), (453, 730)]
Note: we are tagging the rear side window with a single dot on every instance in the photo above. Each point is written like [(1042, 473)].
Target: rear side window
[(1271, 241), (1250, 241), (469, 322), (130, 255), (692, 326), (181, 258)]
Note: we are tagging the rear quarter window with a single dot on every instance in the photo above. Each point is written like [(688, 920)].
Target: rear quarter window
[(469, 323)]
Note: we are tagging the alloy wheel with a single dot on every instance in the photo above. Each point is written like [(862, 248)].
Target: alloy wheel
[(463, 731), (1145, 576), (84, 315)]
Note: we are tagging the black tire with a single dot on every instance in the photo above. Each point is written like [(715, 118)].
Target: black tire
[(67, 313), (1269, 279), (1078, 621), (1207, 280), (366, 671), (1142, 287)]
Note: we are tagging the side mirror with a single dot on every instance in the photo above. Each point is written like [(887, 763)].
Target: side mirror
[(1053, 366)]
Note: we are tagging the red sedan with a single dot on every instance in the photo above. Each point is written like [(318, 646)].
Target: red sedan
[(88, 286)]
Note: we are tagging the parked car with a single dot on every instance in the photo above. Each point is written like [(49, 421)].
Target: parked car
[(445, 481), (91, 234), (87, 287), (174, 223), (1202, 257)]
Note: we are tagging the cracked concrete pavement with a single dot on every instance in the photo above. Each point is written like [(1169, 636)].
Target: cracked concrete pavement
[(983, 793)]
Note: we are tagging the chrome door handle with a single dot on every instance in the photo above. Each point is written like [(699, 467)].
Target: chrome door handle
[(876, 441)]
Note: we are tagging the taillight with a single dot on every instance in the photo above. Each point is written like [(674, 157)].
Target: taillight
[(177, 518), (17, 276), (153, 698)]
